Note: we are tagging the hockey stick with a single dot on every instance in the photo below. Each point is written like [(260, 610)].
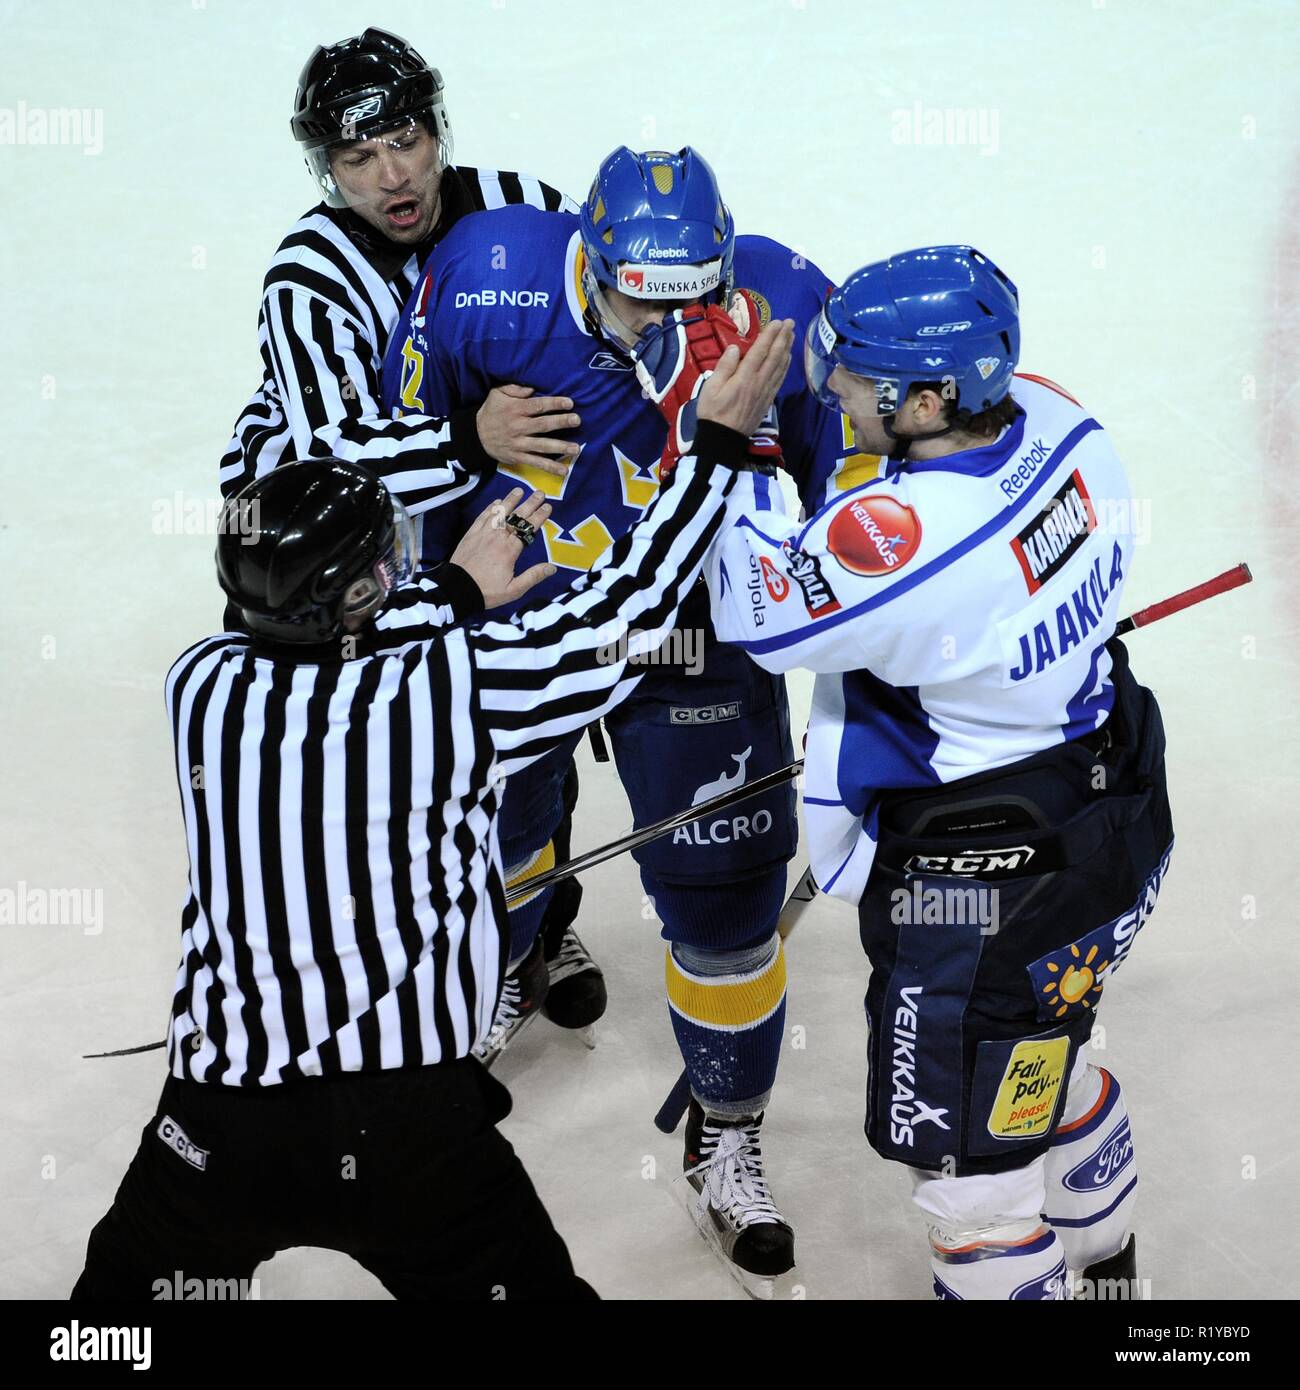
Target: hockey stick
[(636, 838), (1220, 584), (805, 890), (599, 748), (596, 856)]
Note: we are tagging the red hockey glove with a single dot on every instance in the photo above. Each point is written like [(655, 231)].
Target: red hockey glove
[(675, 358)]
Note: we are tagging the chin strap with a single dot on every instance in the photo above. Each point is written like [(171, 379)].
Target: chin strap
[(903, 442)]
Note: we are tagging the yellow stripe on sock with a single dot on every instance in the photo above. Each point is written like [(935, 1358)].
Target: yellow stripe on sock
[(728, 1003), (543, 860)]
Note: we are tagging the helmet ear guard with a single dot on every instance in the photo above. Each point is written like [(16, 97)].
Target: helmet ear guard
[(360, 597)]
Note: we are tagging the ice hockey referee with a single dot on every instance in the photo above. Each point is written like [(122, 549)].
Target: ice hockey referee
[(344, 937)]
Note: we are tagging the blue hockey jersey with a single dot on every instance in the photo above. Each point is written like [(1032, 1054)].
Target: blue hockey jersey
[(500, 300)]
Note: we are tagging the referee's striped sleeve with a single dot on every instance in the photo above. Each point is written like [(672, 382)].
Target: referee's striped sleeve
[(418, 611), (551, 670), (541, 195), (328, 380)]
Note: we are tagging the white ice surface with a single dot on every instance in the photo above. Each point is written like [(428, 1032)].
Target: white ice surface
[(1142, 184)]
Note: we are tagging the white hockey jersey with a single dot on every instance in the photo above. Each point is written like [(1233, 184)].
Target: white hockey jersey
[(956, 610)]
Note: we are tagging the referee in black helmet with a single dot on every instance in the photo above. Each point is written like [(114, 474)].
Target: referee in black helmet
[(345, 937), (371, 118)]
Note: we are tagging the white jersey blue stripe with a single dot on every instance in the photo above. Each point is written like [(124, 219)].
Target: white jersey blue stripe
[(956, 611)]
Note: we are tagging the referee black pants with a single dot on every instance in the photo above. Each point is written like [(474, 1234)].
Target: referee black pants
[(405, 1171)]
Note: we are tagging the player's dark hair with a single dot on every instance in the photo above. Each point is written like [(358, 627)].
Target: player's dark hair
[(984, 424)]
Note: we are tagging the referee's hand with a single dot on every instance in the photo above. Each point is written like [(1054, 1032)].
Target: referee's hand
[(741, 390), (490, 550), (519, 429)]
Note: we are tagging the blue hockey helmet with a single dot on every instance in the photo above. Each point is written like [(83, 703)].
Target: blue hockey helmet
[(654, 226), (937, 314)]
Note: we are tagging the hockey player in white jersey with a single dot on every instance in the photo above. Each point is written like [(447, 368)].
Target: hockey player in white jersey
[(984, 776)]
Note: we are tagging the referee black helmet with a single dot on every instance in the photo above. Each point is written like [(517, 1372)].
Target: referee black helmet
[(307, 545), (359, 88)]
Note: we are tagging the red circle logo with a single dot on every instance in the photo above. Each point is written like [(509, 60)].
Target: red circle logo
[(777, 584), (874, 535)]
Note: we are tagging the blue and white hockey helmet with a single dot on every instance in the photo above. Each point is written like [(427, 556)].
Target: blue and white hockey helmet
[(942, 314), (654, 226)]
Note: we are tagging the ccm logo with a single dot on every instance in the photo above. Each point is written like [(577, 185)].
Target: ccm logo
[(973, 862), (931, 329), (179, 1142)]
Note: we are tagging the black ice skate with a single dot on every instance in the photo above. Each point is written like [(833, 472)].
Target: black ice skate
[(734, 1210), (577, 996), (522, 997), (1113, 1279)]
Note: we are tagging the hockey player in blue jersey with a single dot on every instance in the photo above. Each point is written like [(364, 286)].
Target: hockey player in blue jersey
[(557, 302), (985, 778)]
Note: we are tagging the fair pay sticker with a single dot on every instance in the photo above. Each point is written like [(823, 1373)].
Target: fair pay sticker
[(1030, 1085)]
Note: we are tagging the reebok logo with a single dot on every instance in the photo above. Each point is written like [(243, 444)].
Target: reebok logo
[(609, 362), (1028, 465)]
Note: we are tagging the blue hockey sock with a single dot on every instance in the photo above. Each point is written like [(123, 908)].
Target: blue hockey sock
[(728, 1012), (526, 915)]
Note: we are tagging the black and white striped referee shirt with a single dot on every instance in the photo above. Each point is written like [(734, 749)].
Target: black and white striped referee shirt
[(346, 906), (331, 298)]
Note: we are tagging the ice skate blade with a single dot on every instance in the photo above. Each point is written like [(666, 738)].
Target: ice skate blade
[(763, 1288)]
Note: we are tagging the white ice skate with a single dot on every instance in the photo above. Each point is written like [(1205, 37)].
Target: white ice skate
[(522, 997)]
